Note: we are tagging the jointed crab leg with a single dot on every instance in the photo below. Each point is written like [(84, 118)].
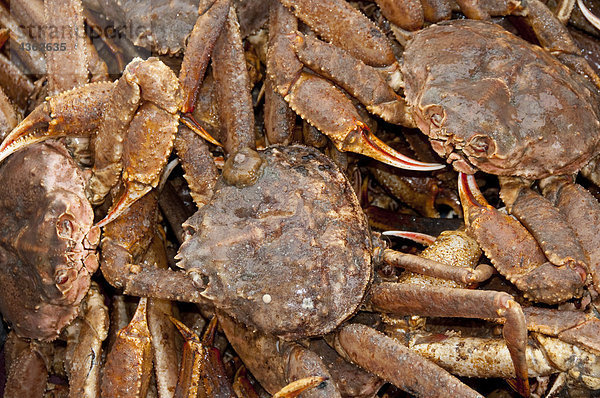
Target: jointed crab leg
[(60, 116), (339, 120), (200, 44), (8, 116), (364, 82), (395, 363), (281, 65), (514, 251), (129, 362)]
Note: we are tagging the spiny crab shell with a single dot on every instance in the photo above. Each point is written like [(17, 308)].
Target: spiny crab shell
[(491, 100), (47, 242), (290, 254)]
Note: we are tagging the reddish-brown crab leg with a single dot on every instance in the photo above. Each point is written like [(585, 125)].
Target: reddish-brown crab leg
[(33, 60), (339, 120), (66, 69), (556, 239), (86, 358), (368, 43), (514, 251), (60, 116), (27, 374), (397, 364), (16, 85), (274, 362), (129, 363), (201, 370), (282, 66), (4, 34), (359, 79), (207, 29), (236, 112), (121, 271), (162, 331), (582, 211), (409, 299), (555, 38), (406, 14)]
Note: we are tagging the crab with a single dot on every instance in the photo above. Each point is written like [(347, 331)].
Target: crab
[(45, 206), (489, 101)]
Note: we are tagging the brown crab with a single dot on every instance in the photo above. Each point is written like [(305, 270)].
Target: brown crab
[(487, 100), (47, 241)]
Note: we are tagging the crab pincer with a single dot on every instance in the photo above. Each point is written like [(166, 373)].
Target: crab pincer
[(515, 252)]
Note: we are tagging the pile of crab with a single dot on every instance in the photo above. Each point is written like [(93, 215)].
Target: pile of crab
[(240, 171)]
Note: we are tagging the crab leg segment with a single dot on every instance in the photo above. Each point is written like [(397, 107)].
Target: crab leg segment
[(200, 44), (514, 251), (339, 120), (364, 82), (410, 299), (129, 362), (395, 363), (73, 113), (334, 20), (582, 211)]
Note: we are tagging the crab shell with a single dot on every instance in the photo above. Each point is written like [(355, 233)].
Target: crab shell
[(489, 99), (46, 240), (290, 254)]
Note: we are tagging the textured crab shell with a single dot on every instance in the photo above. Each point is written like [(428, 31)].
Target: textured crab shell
[(45, 251), (289, 255), (489, 99)]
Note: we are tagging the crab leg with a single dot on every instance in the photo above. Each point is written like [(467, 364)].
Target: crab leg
[(162, 331), (514, 251), (556, 239), (362, 81), (16, 85), (409, 299), (397, 364), (555, 38), (233, 96), (60, 116), (339, 120), (273, 362), (121, 271), (207, 29), (86, 359), (201, 369), (583, 212), (325, 17), (129, 363), (282, 66), (27, 374)]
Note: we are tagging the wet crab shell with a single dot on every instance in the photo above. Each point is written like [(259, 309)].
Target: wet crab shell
[(489, 99), (46, 256), (289, 255)]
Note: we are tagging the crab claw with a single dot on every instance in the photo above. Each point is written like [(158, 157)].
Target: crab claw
[(74, 113), (34, 128), (470, 196), (192, 124), (131, 193), (363, 142), (423, 239)]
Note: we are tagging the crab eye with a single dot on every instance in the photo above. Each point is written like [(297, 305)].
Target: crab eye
[(481, 144), (61, 277), (64, 227), (437, 119)]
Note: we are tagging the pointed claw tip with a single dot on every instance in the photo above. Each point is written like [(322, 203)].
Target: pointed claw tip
[(414, 236), (388, 155), (189, 120)]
